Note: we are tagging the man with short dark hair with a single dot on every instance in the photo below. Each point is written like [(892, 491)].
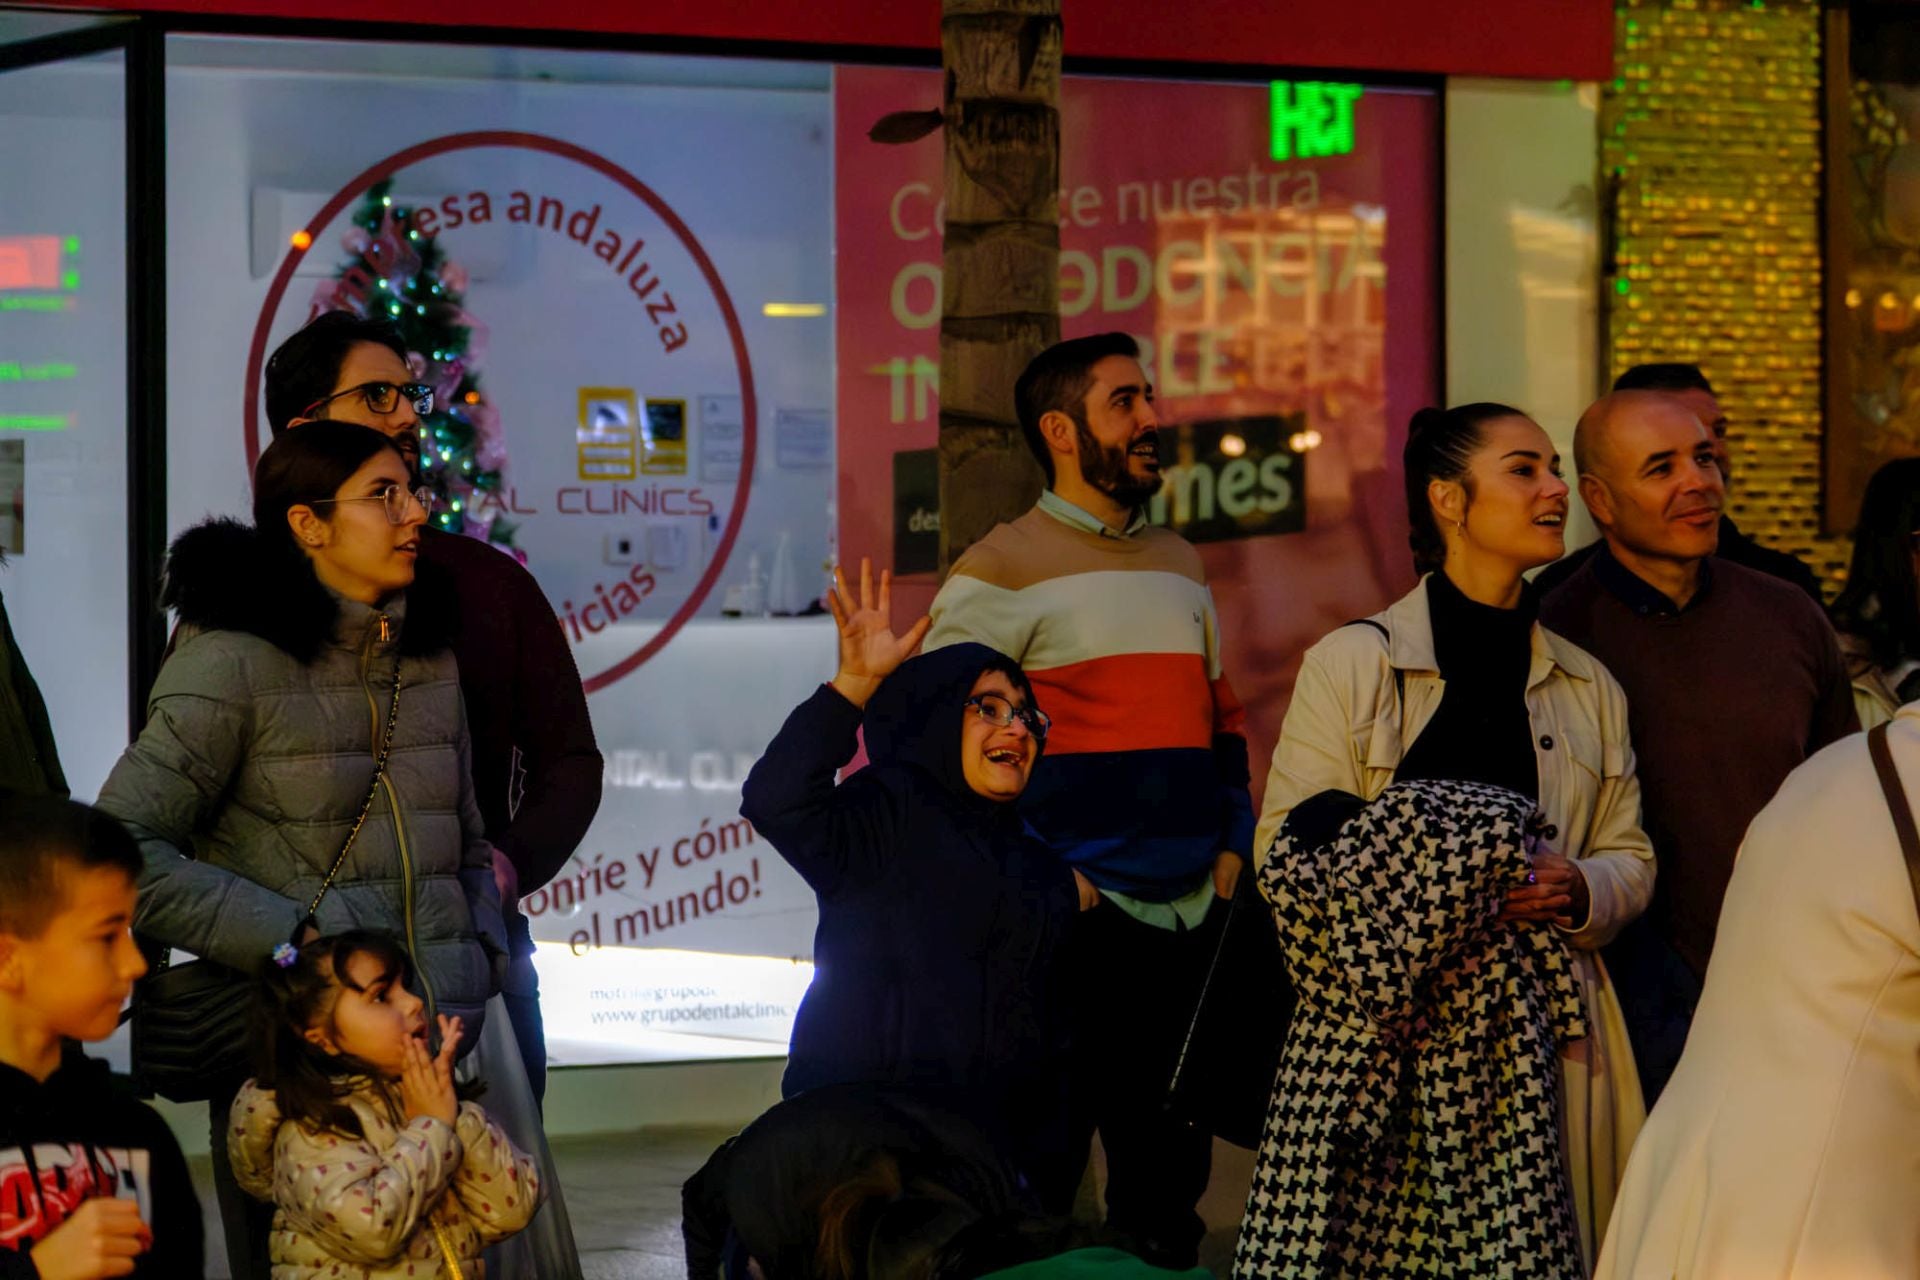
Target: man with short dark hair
[(536, 767), (1687, 384), (1733, 678), (1143, 787)]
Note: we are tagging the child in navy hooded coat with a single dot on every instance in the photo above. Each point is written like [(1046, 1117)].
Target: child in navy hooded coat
[(942, 916)]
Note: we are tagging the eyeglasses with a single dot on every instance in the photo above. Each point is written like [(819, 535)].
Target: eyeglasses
[(997, 710), (381, 397), (396, 497)]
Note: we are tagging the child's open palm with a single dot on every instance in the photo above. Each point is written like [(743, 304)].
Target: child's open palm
[(426, 1080)]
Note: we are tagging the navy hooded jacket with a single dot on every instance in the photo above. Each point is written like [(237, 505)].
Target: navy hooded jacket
[(941, 914)]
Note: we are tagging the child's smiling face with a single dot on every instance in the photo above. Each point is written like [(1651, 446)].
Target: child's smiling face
[(373, 1017)]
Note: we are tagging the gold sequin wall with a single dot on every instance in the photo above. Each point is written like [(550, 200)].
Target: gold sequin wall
[(1711, 137)]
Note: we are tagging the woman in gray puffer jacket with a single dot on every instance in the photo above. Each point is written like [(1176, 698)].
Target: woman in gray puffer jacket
[(261, 738)]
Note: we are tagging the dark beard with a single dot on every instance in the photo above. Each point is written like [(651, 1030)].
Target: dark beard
[(1107, 470)]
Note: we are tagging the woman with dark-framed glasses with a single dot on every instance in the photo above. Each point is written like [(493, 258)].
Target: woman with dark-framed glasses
[(941, 914), (303, 769)]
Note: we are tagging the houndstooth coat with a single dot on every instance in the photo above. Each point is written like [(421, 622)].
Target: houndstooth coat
[(1414, 1125)]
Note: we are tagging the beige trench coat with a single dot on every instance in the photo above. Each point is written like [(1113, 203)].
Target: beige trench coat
[(1345, 730), (1788, 1143)]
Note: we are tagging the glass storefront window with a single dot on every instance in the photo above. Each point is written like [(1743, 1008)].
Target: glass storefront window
[(686, 313), (63, 395), (638, 250)]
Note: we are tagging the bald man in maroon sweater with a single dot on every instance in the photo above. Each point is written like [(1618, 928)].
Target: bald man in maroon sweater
[(1733, 678)]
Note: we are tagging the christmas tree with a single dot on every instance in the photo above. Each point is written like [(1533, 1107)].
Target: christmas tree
[(399, 274)]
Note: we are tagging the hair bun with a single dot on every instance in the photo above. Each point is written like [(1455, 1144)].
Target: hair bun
[(1425, 420)]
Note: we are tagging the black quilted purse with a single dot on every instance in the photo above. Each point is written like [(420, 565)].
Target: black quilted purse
[(190, 1022)]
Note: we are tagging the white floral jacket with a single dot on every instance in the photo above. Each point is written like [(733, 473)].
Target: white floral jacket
[(417, 1200)]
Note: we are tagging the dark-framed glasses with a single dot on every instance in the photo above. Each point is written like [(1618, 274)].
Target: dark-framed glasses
[(395, 497), (381, 397), (997, 710)]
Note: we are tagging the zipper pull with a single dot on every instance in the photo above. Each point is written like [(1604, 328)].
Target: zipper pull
[(385, 633)]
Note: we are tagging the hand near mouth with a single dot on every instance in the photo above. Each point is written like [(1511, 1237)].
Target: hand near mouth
[(426, 1081)]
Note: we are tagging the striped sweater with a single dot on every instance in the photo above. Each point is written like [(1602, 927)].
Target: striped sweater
[(1144, 779)]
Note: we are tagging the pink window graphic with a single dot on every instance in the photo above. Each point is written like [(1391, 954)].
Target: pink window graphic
[(29, 262)]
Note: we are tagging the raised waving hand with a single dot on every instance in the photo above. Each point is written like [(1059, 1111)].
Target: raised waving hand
[(869, 650)]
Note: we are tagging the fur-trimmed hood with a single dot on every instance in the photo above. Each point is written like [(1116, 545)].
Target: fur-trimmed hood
[(224, 576)]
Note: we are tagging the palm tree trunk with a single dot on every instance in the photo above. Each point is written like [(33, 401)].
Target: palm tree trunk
[(1001, 270)]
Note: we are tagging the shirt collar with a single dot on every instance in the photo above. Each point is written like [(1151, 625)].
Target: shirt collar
[(1641, 596), (1080, 518)]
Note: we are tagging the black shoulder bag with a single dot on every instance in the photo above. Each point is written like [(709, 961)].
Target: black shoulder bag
[(190, 1022)]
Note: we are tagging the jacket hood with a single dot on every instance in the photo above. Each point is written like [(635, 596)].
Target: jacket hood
[(224, 576), (784, 1166), (28, 1106), (914, 718)]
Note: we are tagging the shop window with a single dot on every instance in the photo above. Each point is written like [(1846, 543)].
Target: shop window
[(63, 394)]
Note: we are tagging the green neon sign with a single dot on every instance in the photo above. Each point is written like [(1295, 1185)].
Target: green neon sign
[(1313, 118)]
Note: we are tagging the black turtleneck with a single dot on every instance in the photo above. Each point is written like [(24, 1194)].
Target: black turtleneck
[(1481, 733)]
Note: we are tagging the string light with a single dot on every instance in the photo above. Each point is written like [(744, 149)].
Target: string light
[(449, 435)]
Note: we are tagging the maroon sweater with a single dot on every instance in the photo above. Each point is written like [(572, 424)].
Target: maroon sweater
[(1725, 698), (522, 692)]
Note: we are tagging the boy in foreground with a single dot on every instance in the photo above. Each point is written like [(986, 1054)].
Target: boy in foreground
[(92, 1184)]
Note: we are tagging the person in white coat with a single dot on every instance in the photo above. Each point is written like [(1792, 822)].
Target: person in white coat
[(1457, 680), (1788, 1143)]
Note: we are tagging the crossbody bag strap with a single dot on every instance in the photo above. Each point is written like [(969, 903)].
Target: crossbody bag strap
[(1399, 676), (1896, 802), (446, 1251), (373, 789)]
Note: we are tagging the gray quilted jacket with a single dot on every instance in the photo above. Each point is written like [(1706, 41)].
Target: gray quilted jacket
[(259, 746)]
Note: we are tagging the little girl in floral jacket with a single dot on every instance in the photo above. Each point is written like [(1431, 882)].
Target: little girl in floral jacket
[(355, 1131)]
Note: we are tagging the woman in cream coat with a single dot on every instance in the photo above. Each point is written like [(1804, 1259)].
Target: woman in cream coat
[(1788, 1143), (1457, 680)]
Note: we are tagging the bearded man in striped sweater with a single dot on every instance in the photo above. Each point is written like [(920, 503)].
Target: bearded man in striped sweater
[(1143, 787)]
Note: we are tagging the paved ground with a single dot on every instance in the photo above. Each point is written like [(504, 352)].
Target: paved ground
[(623, 1192)]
